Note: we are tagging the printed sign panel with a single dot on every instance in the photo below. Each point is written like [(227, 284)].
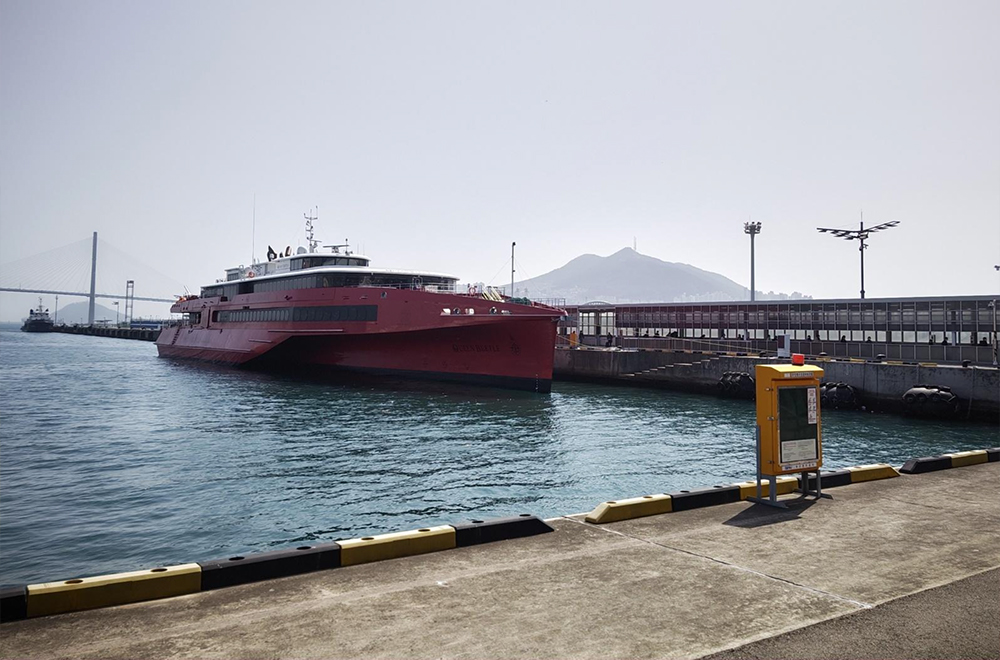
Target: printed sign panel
[(797, 428), (798, 450)]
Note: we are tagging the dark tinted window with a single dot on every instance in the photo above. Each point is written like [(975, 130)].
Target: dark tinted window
[(333, 313)]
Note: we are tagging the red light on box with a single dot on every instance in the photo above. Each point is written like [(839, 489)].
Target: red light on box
[(798, 359)]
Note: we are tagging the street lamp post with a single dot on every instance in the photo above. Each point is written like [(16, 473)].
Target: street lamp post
[(859, 235), (996, 340), (116, 312), (752, 228)]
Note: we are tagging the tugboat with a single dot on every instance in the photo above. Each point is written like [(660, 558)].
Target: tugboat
[(331, 310), (38, 320)]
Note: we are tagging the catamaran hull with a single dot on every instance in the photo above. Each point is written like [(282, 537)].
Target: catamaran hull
[(510, 352)]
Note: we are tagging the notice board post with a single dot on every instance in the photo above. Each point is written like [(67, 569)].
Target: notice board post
[(789, 426)]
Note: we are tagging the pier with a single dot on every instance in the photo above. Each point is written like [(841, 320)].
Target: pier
[(941, 329), (880, 385), (900, 567), (117, 332)]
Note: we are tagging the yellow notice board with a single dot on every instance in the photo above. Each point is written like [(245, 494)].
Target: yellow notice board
[(788, 415)]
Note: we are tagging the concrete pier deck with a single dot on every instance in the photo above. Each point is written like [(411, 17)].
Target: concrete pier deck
[(905, 559)]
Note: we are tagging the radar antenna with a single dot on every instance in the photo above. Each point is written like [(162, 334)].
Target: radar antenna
[(335, 249)]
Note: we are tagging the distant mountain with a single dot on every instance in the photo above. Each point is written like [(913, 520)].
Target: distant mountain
[(627, 276), (77, 313)]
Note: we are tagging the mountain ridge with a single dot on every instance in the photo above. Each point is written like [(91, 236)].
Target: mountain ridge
[(627, 276)]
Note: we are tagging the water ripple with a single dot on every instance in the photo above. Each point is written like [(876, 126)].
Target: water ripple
[(114, 460)]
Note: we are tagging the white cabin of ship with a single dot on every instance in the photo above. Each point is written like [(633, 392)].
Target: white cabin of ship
[(309, 270), (296, 262)]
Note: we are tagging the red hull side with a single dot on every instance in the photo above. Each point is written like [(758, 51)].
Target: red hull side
[(411, 338), (516, 353)]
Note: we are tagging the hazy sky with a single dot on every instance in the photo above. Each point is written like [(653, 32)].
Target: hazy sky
[(435, 133)]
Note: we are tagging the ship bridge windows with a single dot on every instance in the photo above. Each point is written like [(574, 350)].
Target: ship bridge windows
[(346, 280), (228, 291), (318, 261), (287, 283)]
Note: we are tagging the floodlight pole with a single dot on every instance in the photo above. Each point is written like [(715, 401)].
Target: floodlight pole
[(752, 228), (861, 235), (862, 250), (996, 340)]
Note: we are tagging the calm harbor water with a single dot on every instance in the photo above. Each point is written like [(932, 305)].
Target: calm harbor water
[(112, 459)]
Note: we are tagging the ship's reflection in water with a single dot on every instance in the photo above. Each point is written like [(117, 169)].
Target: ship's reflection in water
[(114, 459)]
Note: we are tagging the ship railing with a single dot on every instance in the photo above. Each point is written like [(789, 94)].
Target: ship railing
[(414, 286), (558, 303)]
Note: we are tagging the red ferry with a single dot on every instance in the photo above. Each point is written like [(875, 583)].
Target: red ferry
[(333, 310)]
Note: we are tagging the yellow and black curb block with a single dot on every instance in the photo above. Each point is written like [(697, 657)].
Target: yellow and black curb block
[(396, 544), (694, 499), (784, 486), (635, 507), (26, 601), (947, 461), (651, 505), (118, 589), (13, 603), (476, 532), (872, 472), (829, 479), (231, 571)]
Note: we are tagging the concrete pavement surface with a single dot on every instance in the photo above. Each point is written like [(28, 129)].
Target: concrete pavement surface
[(960, 620), (680, 585)]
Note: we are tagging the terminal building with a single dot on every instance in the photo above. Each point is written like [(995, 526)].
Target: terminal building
[(931, 329)]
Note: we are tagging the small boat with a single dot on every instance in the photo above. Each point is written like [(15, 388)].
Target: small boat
[(38, 320)]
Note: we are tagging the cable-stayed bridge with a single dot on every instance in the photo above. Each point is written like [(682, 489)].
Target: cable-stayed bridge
[(90, 268)]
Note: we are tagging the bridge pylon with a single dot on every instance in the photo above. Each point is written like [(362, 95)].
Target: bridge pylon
[(93, 283)]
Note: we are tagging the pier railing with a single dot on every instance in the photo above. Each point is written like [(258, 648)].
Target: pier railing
[(907, 352)]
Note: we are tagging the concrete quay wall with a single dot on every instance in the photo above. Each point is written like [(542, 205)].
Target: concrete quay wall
[(142, 334), (879, 385)]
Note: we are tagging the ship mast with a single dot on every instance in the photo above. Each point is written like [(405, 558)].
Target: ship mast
[(310, 217)]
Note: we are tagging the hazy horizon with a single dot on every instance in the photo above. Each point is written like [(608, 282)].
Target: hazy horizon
[(434, 134)]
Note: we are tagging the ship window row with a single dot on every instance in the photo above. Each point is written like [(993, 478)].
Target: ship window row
[(315, 262), (967, 338), (330, 313), (284, 284), (855, 316), (253, 315), (955, 322), (337, 313)]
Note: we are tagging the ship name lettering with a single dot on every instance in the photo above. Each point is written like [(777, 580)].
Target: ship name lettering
[(475, 348)]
